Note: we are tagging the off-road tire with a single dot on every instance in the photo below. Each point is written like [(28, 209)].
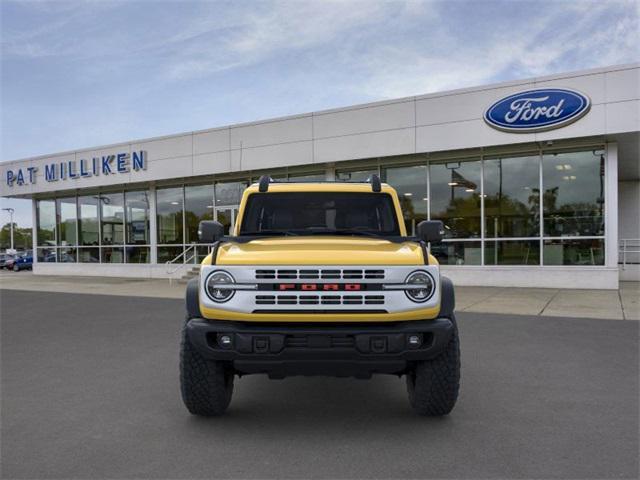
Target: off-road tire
[(433, 384), (206, 385)]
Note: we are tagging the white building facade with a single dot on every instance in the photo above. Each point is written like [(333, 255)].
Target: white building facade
[(537, 181)]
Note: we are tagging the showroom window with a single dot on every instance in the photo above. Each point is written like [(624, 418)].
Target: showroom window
[(112, 227), (88, 229), (46, 230), (455, 198), (67, 215), (137, 227), (107, 228), (573, 207), (411, 185)]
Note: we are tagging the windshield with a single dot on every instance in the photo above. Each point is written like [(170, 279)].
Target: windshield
[(308, 213)]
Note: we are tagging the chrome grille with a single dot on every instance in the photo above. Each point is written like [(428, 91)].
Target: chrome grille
[(320, 299), (319, 274)]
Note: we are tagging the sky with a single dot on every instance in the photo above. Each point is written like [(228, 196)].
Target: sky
[(87, 73)]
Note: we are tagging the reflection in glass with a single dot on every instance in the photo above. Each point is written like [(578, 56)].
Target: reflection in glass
[(307, 177), (573, 199), (411, 185), (229, 193), (512, 252), (137, 254), (89, 254), (198, 206), (112, 255), (66, 255), (512, 197), (137, 217), (169, 207), (46, 217), (166, 254), (112, 218), (46, 254), (67, 219), (88, 221), (457, 253), (226, 216), (355, 175), (455, 197), (574, 252)]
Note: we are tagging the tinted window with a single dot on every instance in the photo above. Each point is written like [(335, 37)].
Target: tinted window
[(315, 212)]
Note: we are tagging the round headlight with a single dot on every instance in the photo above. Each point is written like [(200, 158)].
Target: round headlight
[(218, 294), (425, 286)]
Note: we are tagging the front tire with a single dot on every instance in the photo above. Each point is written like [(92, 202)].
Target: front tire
[(206, 385), (433, 385), (16, 268)]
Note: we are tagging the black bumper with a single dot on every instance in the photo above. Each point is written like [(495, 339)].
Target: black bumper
[(343, 350)]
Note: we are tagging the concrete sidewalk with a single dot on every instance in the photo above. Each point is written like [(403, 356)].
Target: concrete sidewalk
[(607, 304)]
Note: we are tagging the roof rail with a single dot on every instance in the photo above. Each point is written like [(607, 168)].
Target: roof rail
[(376, 186), (374, 180), (263, 183)]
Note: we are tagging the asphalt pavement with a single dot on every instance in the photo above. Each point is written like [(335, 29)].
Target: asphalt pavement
[(90, 390)]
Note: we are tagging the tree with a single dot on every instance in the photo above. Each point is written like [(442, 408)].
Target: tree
[(22, 237)]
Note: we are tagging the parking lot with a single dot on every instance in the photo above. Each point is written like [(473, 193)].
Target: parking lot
[(90, 390)]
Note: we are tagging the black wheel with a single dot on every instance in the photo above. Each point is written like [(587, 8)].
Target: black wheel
[(206, 385), (433, 384), (16, 268)]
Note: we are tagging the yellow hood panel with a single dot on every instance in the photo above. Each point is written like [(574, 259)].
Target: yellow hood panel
[(320, 251)]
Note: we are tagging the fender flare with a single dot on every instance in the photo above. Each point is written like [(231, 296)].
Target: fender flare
[(447, 298), (192, 298)]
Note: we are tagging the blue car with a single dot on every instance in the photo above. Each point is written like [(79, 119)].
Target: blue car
[(23, 261)]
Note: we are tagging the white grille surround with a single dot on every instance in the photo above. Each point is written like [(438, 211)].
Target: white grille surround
[(260, 297)]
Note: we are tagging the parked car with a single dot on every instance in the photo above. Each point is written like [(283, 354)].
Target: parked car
[(4, 258), (23, 261)]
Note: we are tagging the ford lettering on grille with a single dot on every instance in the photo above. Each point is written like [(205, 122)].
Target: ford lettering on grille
[(326, 287)]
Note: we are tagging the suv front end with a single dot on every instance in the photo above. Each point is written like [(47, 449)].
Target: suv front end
[(332, 298)]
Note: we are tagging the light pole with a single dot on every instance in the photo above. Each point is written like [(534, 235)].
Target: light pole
[(10, 210)]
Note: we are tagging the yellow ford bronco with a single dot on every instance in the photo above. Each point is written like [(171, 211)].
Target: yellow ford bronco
[(320, 279)]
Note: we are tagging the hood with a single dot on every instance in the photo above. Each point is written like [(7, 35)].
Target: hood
[(320, 251)]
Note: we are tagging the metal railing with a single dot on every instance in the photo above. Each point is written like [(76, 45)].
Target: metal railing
[(189, 256), (628, 246)]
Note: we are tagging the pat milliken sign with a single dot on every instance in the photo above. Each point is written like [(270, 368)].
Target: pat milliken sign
[(537, 110), (105, 165)]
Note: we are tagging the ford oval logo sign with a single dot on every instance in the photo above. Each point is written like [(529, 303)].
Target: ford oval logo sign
[(537, 110)]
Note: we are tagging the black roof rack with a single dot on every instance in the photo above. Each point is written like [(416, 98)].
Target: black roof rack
[(265, 180)]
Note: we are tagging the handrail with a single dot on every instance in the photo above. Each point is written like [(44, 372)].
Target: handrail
[(186, 261), (628, 245)]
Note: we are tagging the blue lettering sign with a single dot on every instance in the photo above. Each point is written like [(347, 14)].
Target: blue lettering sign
[(139, 161), (51, 172), (83, 170), (32, 174), (122, 163), (537, 110), (106, 164), (72, 169)]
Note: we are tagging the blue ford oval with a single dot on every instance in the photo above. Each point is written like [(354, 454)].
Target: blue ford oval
[(537, 110)]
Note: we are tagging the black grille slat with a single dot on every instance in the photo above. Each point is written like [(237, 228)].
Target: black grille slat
[(319, 299), (315, 274)]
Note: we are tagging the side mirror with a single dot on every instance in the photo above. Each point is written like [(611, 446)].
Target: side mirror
[(210, 231), (430, 231)]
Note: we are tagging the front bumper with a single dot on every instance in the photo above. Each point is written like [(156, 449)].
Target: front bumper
[(343, 350)]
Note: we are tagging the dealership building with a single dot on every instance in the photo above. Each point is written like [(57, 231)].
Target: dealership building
[(537, 181)]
